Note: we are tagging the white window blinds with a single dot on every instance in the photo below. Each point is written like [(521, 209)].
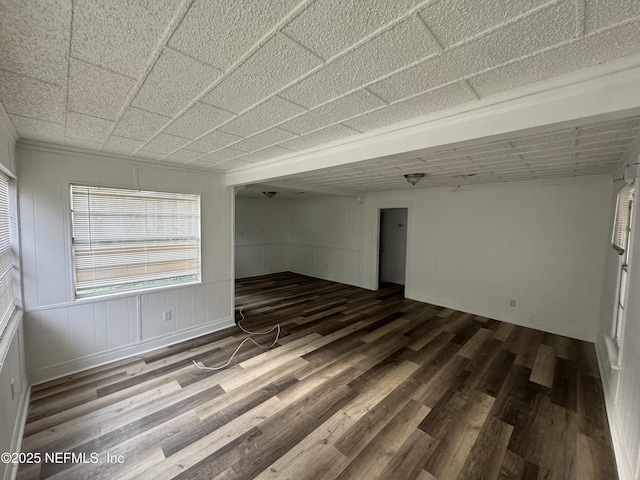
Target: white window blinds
[(622, 221), (132, 239), (6, 255)]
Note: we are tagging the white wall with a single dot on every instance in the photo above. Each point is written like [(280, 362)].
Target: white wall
[(14, 386), (261, 231), (622, 387), (63, 335), (476, 249), (325, 236)]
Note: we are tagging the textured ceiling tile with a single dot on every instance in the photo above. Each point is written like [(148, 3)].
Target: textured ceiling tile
[(149, 155), (122, 145), (586, 52), (164, 143), (279, 62), (230, 165), (213, 141), (182, 156), (405, 43), (456, 20), (264, 139), (35, 38), (33, 129), (546, 28), (264, 154), (332, 26), (198, 120), (219, 156), (271, 112), (120, 35), (429, 102), (319, 137), (174, 82), (139, 125), (600, 14), (85, 127), (96, 91), (32, 98), (346, 107), (74, 142), (220, 32)]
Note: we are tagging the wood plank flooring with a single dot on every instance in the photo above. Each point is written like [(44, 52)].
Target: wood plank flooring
[(361, 385)]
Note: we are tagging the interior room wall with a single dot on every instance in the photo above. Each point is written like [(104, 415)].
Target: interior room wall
[(14, 385), (63, 335), (622, 387), (477, 249), (325, 236), (261, 235)]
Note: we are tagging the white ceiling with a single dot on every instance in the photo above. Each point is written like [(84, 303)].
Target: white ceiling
[(226, 84)]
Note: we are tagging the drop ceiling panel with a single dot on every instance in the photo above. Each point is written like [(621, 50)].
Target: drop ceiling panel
[(72, 142), (218, 156), (198, 120), (119, 35), (41, 130), (219, 34), (279, 62), (343, 108), (122, 145), (165, 144), (438, 99), (139, 124), (264, 154), (393, 49), (589, 51), (96, 91), (263, 139), (600, 14), (332, 26), (324, 135), (273, 111), (34, 39), (86, 127), (173, 83), (475, 17), (213, 141), (32, 98)]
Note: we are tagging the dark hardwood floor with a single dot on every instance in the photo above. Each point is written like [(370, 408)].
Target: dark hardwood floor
[(361, 385)]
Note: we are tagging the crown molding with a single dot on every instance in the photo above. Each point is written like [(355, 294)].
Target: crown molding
[(604, 92)]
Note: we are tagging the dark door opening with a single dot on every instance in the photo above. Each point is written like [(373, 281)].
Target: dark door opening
[(392, 253)]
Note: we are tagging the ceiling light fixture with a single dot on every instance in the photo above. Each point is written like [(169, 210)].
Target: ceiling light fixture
[(269, 194), (414, 178)]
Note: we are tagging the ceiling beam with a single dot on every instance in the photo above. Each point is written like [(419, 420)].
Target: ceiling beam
[(603, 92)]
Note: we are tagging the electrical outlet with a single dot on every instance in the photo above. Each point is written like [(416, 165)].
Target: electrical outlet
[(166, 315), (512, 303)]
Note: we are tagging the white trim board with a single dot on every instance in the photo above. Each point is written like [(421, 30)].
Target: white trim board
[(96, 360), (604, 92)]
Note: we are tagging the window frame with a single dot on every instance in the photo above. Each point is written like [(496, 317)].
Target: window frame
[(14, 285), (140, 287)]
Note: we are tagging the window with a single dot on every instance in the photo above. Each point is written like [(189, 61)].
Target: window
[(621, 241), (131, 239), (7, 296)]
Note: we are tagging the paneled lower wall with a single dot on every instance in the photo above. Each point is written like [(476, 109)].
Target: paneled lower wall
[(14, 391), (261, 232), (64, 335), (325, 238)]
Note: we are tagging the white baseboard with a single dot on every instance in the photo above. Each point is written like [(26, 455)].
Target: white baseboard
[(18, 429), (505, 317), (609, 380), (91, 361)]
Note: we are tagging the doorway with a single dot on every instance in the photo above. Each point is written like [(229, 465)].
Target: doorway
[(392, 246)]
